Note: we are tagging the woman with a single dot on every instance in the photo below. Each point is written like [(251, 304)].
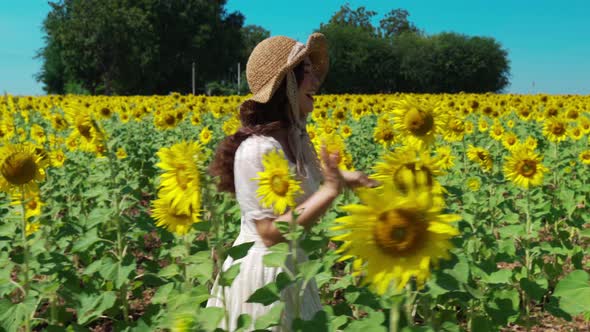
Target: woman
[(283, 76)]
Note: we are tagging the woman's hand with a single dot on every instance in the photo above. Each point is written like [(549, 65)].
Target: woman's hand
[(332, 177), (355, 179)]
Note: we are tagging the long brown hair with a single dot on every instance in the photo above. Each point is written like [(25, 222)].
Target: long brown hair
[(257, 119)]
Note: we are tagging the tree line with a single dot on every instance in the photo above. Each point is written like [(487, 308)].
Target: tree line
[(144, 47)]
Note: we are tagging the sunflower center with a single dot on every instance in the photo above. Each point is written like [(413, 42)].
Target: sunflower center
[(558, 129), (170, 120), (279, 185), (399, 232), (32, 204), (457, 126), (418, 122), (573, 114), (84, 130), (527, 168), (388, 136), (19, 168), (105, 112), (482, 156)]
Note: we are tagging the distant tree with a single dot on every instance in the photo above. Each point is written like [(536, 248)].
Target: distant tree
[(360, 17), (53, 70), (399, 57), (251, 36), (396, 22), (138, 46), (360, 61), (415, 73)]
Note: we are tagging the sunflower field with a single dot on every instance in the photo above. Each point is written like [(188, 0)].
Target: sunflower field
[(110, 221)]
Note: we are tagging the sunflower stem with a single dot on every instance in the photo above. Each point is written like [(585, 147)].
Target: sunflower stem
[(25, 254), (464, 158), (394, 316), (53, 309), (409, 306), (292, 230), (527, 258), (187, 245), (120, 249), (555, 160)]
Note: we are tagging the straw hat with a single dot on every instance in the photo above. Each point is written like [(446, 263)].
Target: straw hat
[(273, 57)]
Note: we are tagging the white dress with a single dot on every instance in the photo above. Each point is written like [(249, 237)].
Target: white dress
[(253, 273)]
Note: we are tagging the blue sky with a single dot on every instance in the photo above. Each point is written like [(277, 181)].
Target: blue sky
[(548, 42)]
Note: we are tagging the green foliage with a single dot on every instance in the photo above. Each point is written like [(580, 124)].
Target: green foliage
[(573, 292), (397, 57), (139, 46)]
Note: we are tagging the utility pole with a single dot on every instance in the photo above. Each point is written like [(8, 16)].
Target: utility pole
[(193, 78), (239, 78)]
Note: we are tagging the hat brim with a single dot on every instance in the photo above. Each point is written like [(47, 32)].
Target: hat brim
[(317, 50)]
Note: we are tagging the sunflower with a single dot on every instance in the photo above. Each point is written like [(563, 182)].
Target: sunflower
[(394, 237), (525, 113), (358, 112), (170, 217), (408, 167), (509, 140), (166, 120), (311, 131), (418, 119), (32, 227), (480, 156), (180, 182), (531, 142), (474, 183), (384, 134), (497, 131), (121, 153), (205, 135), (33, 203), (195, 118), (38, 134), (468, 127), (524, 168), (86, 131), (444, 157), (231, 126), (454, 129), (585, 125), (6, 129), (277, 186), (57, 158), (482, 125), (339, 115), (21, 166), (575, 133), (555, 129), (585, 157), (345, 131)]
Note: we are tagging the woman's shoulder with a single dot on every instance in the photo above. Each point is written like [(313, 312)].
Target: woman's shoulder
[(256, 145)]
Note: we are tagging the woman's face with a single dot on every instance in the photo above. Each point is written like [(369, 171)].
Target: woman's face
[(307, 88)]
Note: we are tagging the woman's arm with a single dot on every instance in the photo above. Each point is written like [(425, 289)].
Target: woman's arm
[(355, 179), (310, 210)]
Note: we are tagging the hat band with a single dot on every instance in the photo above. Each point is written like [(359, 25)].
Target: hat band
[(297, 49)]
